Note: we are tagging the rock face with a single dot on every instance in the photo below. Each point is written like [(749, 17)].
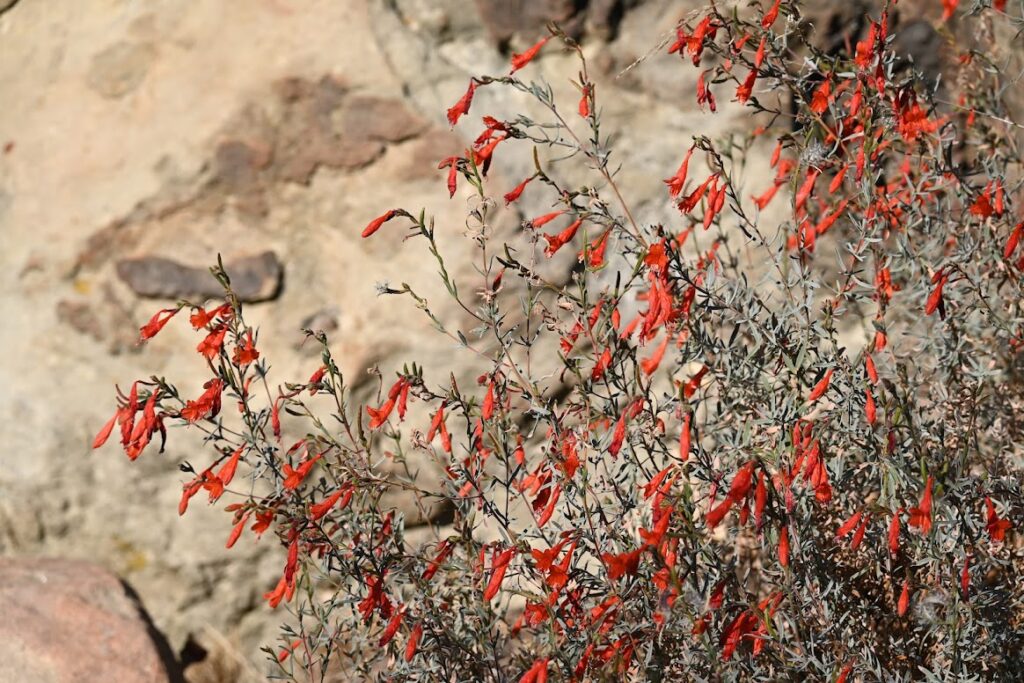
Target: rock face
[(69, 622)]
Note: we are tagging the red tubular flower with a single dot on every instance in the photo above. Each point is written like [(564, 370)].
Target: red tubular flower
[(948, 8), (236, 531), (704, 94), (275, 596), (602, 364), (921, 516), (691, 200), (837, 179), (1013, 241), (765, 198), (207, 405), (935, 298), (593, 253), (556, 242), (378, 416), (690, 388), (187, 492), (156, 323), (104, 433), (538, 673), (771, 15), (820, 388), (487, 411), (894, 532), (201, 318), (482, 156), (904, 601), (807, 188), (374, 225), (982, 206), (227, 472), (246, 353), (760, 498), (392, 628), (869, 366), (320, 509), (738, 491), (784, 546), (849, 524), (822, 97), (499, 565), (584, 107), (212, 343), (684, 438), (676, 182), (653, 538), (869, 407), (618, 436), (461, 107), (517, 190), (858, 536), (995, 526), (623, 564), (414, 641), (452, 164), (695, 43), (444, 549), (649, 365), (521, 60), (314, 380), (295, 476), (747, 87), (544, 220)]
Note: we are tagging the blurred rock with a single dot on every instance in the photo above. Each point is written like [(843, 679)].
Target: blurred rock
[(120, 68), (71, 622), (210, 657), (528, 18), (379, 118), (80, 317), (254, 278)]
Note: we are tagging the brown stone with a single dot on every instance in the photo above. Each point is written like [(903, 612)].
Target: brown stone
[(528, 18), (120, 68), (253, 278), (80, 316), (68, 622), (379, 118)]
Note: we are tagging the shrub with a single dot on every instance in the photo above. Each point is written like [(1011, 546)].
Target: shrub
[(755, 444)]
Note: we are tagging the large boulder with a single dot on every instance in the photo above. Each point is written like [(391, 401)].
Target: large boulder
[(71, 622)]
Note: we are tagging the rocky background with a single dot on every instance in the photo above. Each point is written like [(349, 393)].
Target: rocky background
[(140, 139)]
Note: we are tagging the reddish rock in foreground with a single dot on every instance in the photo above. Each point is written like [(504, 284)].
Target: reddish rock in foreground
[(65, 621)]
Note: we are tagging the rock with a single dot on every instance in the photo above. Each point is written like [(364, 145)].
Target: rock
[(67, 622), (253, 278), (918, 44), (528, 18), (603, 17), (80, 316), (379, 118), (120, 68)]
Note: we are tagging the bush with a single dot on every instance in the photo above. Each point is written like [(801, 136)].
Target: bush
[(756, 444)]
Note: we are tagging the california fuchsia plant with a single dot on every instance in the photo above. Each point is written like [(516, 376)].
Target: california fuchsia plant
[(751, 444)]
